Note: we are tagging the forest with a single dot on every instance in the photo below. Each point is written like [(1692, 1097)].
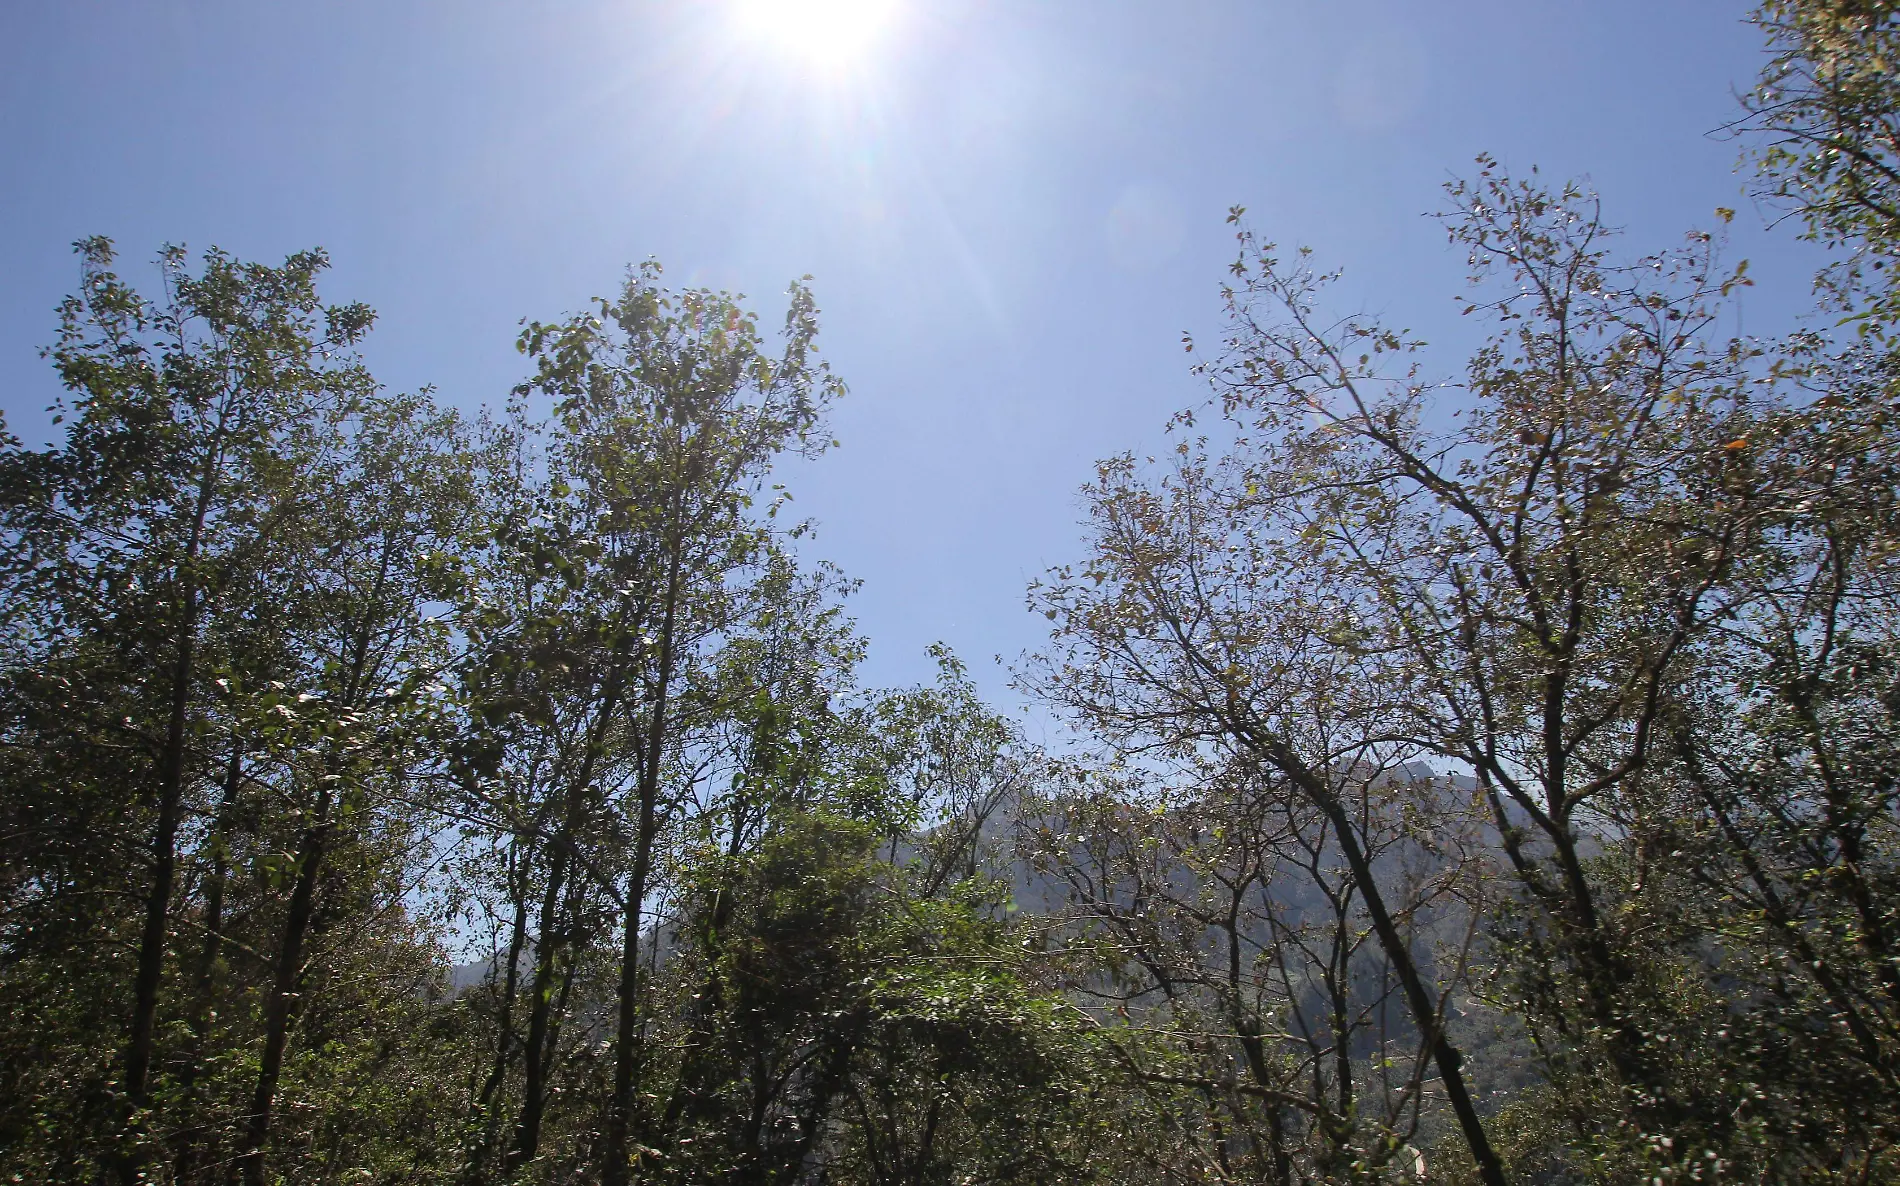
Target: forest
[(1492, 779)]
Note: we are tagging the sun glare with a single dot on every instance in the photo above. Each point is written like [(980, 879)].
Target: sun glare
[(831, 34)]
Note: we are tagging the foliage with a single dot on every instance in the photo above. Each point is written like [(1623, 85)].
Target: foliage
[(1823, 129), (1475, 774)]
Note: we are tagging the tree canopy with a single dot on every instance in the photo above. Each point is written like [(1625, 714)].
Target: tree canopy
[(1465, 770)]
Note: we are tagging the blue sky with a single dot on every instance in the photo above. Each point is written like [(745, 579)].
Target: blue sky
[(1011, 211)]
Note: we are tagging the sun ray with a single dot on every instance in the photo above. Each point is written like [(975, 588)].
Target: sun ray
[(827, 34)]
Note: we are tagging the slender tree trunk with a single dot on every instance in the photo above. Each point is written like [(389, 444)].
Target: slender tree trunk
[(618, 1147), (472, 1170), (213, 949), (171, 791), (1579, 928), (205, 980), (286, 998), (547, 944), (1424, 1009), (539, 1064), (1276, 1136), (527, 1140), (151, 957), (281, 1009)]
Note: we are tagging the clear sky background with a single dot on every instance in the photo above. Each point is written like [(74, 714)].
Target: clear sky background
[(1012, 210)]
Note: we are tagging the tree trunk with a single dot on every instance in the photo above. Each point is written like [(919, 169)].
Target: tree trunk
[(158, 894), (171, 790), (472, 1169), (534, 1091), (619, 1144), (213, 949), (205, 981), (1424, 1009), (281, 1009), (286, 998)]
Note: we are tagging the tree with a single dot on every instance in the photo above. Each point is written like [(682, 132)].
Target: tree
[(1213, 906), (194, 417), (381, 559), (225, 588), (854, 997), (1208, 626), (1572, 574), (1823, 127), (670, 412)]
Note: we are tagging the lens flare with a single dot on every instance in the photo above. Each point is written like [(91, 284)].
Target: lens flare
[(829, 34)]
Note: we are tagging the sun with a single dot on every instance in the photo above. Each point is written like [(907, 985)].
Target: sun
[(829, 34)]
